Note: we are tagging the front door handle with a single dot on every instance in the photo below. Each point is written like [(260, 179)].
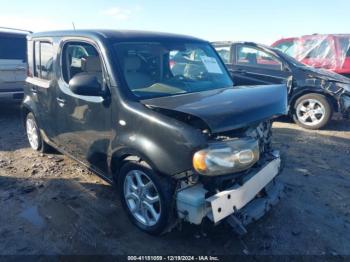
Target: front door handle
[(61, 101), (239, 71)]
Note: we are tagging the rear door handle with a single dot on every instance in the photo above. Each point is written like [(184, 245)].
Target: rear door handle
[(20, 68), (61, 101)]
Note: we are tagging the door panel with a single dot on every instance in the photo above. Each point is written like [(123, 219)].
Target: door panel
[(85, 132), (254, 66), (7, 75), (21, 71), (241, 77)]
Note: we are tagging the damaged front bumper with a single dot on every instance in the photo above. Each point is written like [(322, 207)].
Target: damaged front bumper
[(345, 105), (243, 203)]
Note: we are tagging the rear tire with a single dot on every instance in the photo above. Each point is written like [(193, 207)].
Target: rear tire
[(312, 111), (33, 134), (147, 198)]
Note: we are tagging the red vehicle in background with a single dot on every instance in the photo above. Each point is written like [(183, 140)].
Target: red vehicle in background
[(330, 52)]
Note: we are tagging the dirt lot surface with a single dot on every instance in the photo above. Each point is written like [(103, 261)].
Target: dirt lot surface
[(52, 205)]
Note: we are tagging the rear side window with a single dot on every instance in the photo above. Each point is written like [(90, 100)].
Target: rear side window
[(13, 48), (345, 46), (43, 60), (317, 49), (254, 57)]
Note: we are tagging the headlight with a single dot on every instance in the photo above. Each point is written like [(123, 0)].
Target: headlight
[(346, 87), (226, 157)]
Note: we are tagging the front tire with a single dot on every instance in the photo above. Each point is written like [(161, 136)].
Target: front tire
[(312, 111), (146, 197), (33, 134)]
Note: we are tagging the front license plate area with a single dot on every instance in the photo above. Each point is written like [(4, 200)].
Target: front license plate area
[(227, 202)]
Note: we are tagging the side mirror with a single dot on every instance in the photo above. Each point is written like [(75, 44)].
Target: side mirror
[(85, 85)]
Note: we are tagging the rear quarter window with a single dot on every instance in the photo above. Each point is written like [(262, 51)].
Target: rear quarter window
[(43, 60), (13, 47), (345, 46)]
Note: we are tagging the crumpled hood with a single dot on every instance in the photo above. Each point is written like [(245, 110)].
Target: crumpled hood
[(325, 74), (229, 108)]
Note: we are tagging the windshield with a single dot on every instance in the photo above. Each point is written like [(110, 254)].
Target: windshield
[(289, 58), (287, 47), (157, 69)]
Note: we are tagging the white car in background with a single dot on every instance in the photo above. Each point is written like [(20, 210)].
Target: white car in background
[(13, 64)]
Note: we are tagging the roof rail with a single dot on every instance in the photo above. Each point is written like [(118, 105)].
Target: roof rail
[(15, 29)]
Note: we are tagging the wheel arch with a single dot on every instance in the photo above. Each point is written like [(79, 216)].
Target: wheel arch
[(25, 110), (120, 157), (333, 101), (28, 106)]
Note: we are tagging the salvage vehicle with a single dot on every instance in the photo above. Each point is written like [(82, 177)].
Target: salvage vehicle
[(331, 52), (157, 114), (313, 94), (13, 49)]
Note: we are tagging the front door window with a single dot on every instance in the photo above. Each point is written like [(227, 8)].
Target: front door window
[(255, 57)]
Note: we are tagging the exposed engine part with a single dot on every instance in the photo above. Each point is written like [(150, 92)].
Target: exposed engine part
[(263, 133)]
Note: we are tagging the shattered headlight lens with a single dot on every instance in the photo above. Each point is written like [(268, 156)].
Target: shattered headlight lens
[(346, 87), (226, 157)]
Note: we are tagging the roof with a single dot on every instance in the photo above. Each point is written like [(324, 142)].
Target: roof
[(118, 35), (226, 43), (14, 31), (222, 43)]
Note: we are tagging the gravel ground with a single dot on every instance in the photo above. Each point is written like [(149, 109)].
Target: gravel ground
[(52, 205)]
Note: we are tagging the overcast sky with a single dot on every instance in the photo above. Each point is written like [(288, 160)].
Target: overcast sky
[(254, 20)]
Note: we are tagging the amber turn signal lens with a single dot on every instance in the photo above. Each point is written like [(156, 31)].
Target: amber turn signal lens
[(199, 161)]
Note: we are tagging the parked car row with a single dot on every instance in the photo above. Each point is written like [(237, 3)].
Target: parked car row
[(313, 94)]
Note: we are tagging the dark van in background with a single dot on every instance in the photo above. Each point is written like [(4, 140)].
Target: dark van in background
[(13, 64)]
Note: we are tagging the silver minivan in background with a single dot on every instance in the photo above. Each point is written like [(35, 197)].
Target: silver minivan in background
[(13, 64)]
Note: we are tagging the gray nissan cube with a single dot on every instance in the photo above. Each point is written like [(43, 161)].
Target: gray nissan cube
[(159, 115)]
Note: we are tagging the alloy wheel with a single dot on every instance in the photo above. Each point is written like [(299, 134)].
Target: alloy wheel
[(310, 112), (32, 133), (142, 198)]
